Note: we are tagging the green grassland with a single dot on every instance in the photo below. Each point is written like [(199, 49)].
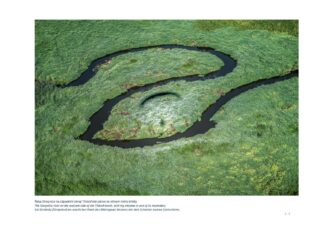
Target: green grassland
[(252, 151), (164, 116)]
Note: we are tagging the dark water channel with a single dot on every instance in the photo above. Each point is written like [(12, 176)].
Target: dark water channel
[(199, 127)]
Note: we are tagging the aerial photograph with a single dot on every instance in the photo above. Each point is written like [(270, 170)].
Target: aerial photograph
[(166, 107)]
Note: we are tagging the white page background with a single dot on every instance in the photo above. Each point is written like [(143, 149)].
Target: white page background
[(17, 117)]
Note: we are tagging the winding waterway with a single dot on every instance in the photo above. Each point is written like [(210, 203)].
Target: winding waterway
[(199, 127)]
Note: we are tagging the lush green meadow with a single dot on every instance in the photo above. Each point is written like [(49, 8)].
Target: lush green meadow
[(253, 150)]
